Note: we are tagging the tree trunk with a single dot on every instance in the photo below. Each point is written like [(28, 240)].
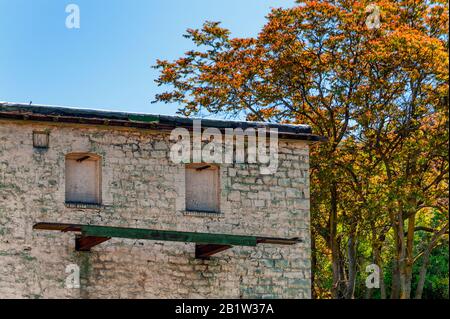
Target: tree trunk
[(423, 273), (335, 256), (313, 265), (409, 260), (377, 245), (398, 272), (351, 252), (369, 292), (401, 259), (395, 289), (426, 259), (379, 263)]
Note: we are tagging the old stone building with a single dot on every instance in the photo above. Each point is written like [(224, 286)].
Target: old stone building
[(97, 191)]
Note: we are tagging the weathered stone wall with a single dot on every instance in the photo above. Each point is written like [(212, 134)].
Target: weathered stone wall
[(142, 188)]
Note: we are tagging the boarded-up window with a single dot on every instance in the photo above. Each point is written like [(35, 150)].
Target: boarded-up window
[(40, 139), (83, 179), (202, 188)]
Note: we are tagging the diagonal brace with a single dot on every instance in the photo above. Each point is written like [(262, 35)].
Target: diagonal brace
[(85, 243), (206, 251)]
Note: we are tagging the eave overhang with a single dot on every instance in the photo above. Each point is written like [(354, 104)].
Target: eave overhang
[(42, 113)]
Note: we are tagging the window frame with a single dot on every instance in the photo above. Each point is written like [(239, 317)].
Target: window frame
[(217, 206), (98, 182)]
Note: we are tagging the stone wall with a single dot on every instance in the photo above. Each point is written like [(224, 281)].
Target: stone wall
[(142, 188)]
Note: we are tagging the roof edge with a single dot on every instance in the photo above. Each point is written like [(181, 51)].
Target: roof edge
[(45, 113)]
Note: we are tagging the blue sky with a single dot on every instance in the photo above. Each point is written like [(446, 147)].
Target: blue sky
[(106, 64)]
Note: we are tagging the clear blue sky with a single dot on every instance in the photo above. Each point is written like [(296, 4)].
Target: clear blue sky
[(106, 64)]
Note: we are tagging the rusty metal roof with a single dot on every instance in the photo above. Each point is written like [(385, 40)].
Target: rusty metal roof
[(58, 114)]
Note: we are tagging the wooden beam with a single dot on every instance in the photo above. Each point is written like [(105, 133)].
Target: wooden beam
[(278, 241), (206, 251), (206, 244), (167, 235), (85, 243), (58, 226)]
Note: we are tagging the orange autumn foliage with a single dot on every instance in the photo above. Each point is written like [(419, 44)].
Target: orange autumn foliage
[(379, 95)]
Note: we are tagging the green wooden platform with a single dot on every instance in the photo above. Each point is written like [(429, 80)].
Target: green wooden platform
[(207, 244)]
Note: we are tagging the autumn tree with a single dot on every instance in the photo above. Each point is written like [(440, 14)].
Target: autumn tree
[(376, 92)]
